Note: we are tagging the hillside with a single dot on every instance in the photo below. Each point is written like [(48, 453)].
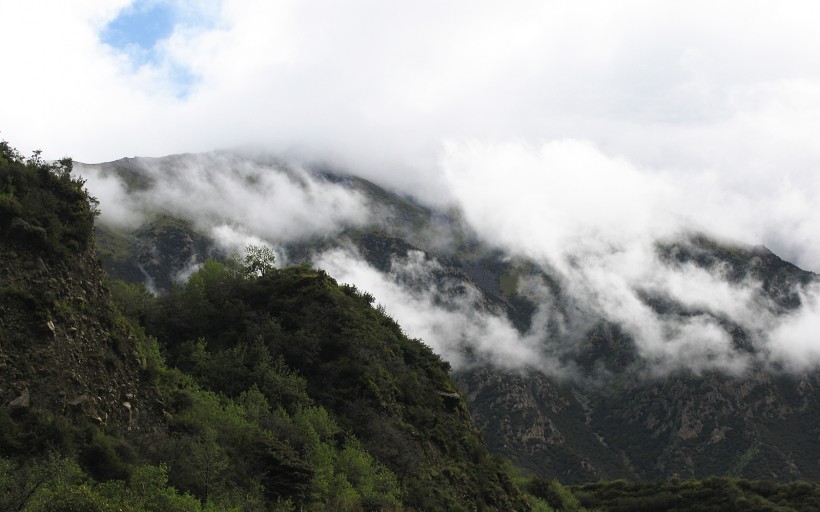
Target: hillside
[(757, 423), (64, 348), (608, 411), (248, 388)]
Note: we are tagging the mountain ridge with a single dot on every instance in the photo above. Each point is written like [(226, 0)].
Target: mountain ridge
[(527, 415), (281, 388)]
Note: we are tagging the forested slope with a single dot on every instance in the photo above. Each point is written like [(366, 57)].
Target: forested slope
[(247, 388)]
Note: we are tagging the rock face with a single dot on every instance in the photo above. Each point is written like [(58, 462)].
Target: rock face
[(62, 346), (160, 253), (757, 426)]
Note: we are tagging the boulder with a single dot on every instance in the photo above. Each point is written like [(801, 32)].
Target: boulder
[(21, 402)]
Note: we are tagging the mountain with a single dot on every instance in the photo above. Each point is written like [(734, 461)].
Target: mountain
[(247, 387), (756, 424), (592, 401)]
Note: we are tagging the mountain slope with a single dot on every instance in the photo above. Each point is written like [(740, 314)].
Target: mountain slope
[(393, 393), (631, 423), (592, 402), (63, 348), (282, 389)]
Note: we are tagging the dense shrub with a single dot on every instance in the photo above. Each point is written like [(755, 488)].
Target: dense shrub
[(43, 205)]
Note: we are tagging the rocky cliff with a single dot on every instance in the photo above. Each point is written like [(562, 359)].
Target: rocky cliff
[(63, 348)]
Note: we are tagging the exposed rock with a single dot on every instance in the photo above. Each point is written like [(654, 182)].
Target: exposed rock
[(22, 229), (18, 224), (74, 402), (72, 306), (21, 402)]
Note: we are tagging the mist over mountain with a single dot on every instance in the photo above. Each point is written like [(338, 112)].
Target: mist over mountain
[(244, 388), (571, 338), (563, 251)]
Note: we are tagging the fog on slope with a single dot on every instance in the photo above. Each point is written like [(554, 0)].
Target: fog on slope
[(234, 198), (595, 221), (449, 315)]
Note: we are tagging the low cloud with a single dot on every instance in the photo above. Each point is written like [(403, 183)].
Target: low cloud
[(446, 315), (235, 199), (593, 222), (597, 222), (794, 342)]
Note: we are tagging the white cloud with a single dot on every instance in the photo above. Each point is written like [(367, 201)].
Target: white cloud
[(597, 220), (237, 198), (729, 88), (794, 341), (447, 316)]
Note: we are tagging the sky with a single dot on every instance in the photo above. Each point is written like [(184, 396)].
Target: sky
[(560, 130), (718, 99)]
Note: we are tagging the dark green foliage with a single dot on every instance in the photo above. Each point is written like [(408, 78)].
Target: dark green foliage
[(134, 301), (58, 484), (553, 493), (49, 463), (713, 494), (36, 433), (148, 489), (24, 482), (291, 340), (106, 457), (217, 446), (42, 205)]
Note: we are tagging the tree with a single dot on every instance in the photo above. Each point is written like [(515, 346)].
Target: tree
[(259, 260)]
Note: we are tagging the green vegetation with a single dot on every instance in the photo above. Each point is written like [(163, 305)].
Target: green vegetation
[(357, 414), (42, 205), (713, 494), (272, 389), (260, 389), (276, 389)]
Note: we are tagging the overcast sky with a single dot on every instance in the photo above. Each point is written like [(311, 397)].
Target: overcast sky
[(613, 111)]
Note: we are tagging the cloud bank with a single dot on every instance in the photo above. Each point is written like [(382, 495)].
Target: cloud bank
[(595, 230), (597, 220), (719, 102)]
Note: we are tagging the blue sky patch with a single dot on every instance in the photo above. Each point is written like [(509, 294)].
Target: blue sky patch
[(137, 30), (142, 24)]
